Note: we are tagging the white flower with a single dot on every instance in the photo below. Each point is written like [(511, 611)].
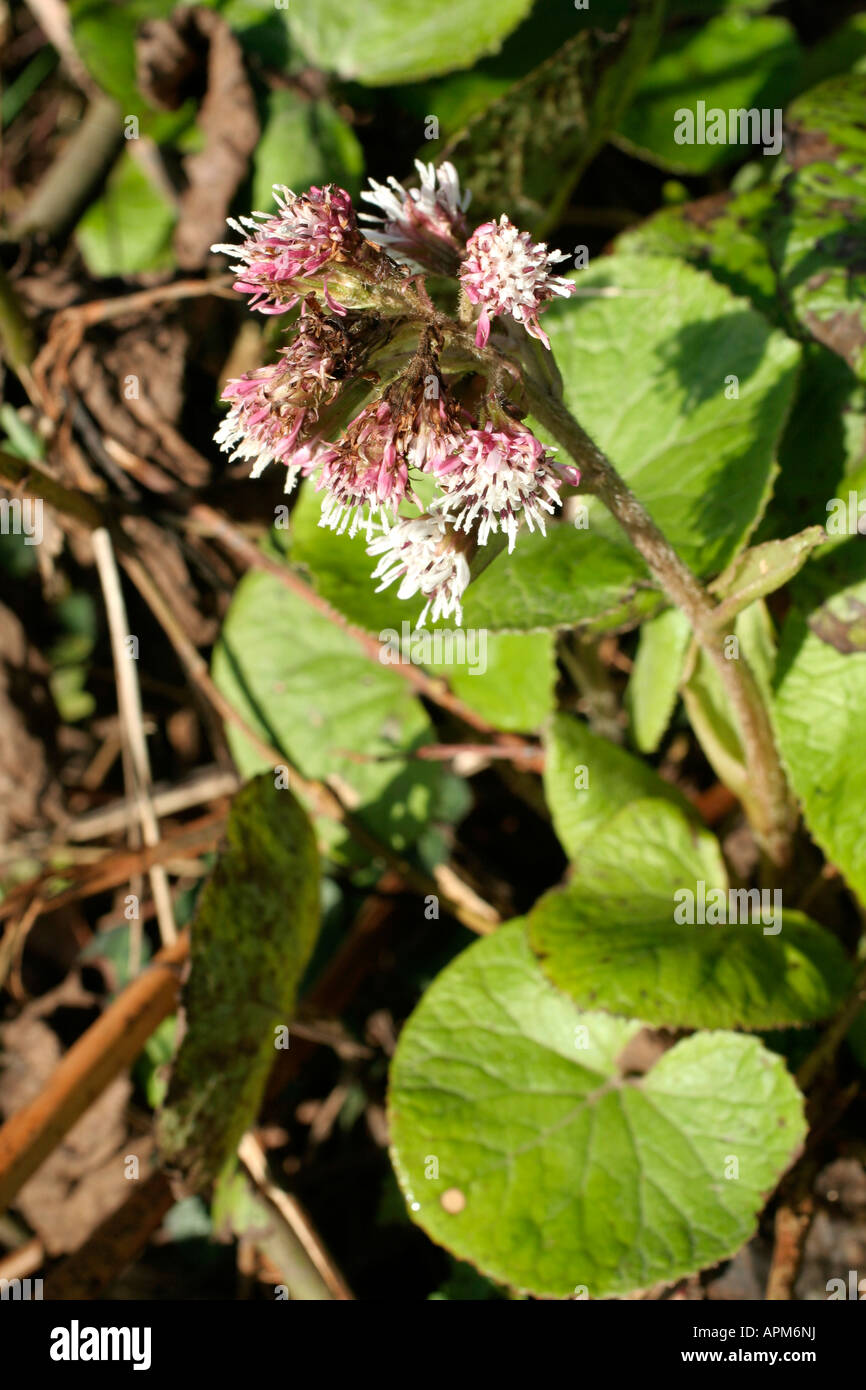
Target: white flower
[(423, 554), (507, 273), (422, 227), (500, 474)]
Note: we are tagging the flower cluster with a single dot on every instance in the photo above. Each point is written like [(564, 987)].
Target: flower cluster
[(425, 228), (280, 251), (271, 406), (487, 472), (506, 273), (424, 554), (363, 469), (497, 476)]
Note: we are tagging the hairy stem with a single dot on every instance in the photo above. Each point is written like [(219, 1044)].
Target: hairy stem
[(771, 808)]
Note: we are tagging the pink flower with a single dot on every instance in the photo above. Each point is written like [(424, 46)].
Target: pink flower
[(274, 406), (309, 232), (423, 553), (507, 273), (423, 227), (405, 430), (498, 475), (364, 469)]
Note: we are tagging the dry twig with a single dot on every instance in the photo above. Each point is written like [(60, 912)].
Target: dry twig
[(112, 1043), (132, 723)]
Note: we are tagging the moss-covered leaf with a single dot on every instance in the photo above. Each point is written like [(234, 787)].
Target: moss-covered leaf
[(253, 932)]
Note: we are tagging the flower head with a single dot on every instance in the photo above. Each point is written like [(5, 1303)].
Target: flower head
[(363, 469), (498, 475), (507, 273), (309, 232), (423, 227), (491, 471), (273, 407), (429, 421), (428, 559)]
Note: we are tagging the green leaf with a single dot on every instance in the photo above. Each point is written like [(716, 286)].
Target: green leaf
[(304, 142), (612, 940), (820, 705), (128, 229), (654, 682), (506, 678), (819, 240), (843, 50), (104, 34), (762, 570), (587, 780), (707, 703), (825, 439), (570, 578), (527, 149), (699, 457), (724, 234), (252, 935), (733, 62), (573, 1174), (736, 239), (18, 92), (515, 691), (340, 570), (382, 41), (647, 370), (308, 688), (22, 440)]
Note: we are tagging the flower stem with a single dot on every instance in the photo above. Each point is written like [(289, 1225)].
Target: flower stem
[(771, 808)]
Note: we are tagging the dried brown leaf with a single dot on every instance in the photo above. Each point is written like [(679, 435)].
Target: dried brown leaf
[(173, 55)]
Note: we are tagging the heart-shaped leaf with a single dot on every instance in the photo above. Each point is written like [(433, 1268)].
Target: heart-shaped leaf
[(649, 926), (820, 706), (588, 779), (309, 689), (525, 1143)]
